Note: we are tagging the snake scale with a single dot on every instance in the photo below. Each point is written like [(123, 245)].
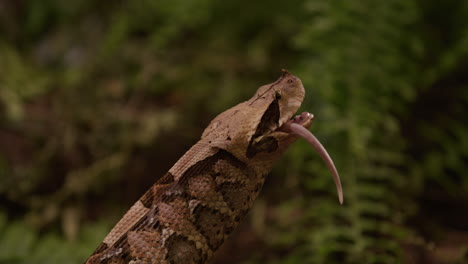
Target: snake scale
[(188, 213)]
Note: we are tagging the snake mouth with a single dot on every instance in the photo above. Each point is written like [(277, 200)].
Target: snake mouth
[(299, 126)]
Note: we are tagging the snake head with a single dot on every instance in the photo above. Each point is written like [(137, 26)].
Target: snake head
[(280, 100), (259, 130)]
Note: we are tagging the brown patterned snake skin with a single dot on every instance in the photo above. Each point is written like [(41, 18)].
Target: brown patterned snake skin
[(188, 213)]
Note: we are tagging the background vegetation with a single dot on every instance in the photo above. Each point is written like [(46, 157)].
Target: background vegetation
[(99, 98)]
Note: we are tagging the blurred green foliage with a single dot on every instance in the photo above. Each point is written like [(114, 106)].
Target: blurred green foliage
[(99, 98)]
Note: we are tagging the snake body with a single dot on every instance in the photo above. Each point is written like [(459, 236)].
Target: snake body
[(189, 212)]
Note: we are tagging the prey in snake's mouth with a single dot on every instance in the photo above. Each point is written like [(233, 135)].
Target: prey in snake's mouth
[(299, 126)]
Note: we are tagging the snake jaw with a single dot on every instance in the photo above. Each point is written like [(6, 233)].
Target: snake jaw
[(298, 126)]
